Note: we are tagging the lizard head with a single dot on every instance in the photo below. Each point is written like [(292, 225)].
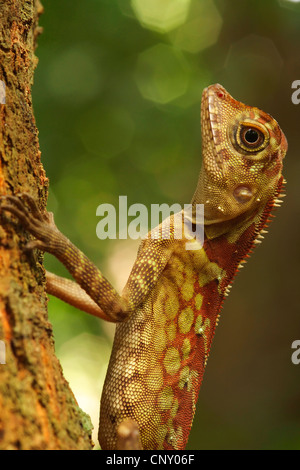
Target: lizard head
[(243, 148)]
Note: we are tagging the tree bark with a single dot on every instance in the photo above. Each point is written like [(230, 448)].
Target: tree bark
[(37, 408)]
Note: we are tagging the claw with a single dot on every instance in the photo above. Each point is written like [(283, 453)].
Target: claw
[(14, 200), (40, 224), (15, 211), (16, 206), (30, 201)]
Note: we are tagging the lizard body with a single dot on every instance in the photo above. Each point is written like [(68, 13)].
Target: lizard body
[(169, 309)]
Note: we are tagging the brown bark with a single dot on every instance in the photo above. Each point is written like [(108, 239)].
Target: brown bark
[(37, 407)]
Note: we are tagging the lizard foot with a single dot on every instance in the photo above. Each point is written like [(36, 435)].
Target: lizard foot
[(40, 224)]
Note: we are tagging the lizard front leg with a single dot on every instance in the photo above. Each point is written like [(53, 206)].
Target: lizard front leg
[(64, 289), (48, 238), (94, 294)]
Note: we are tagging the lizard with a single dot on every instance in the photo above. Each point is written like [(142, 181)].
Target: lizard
[(169, 308)]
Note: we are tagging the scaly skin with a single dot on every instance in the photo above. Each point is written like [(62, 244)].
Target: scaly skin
[(170, 306)]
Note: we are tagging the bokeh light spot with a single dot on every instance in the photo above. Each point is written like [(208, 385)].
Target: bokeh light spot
[(85, 371), (291, 4), (161, 16), (201, 29), (162, 74)]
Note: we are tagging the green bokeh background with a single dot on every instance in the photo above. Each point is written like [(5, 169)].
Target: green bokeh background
[(117, 101)]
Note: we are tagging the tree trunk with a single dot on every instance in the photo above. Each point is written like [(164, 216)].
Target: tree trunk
[(37, 408)]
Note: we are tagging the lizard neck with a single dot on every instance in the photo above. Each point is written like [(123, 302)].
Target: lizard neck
[(229, 246), (233, 227)]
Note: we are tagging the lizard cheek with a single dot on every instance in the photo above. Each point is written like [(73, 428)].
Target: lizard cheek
[(242, 194)]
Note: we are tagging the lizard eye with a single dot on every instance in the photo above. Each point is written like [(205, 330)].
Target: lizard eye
[(251, 138)]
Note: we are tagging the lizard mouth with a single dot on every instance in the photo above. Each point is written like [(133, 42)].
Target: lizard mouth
[(210, 96)]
